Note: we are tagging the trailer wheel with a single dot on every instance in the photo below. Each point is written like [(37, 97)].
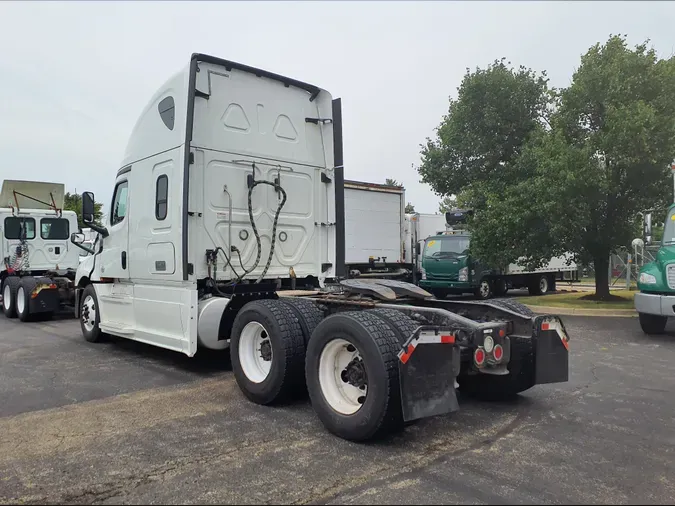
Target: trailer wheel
[(267, 350), (23, 294), (652, 323), (90, 318), (9, 289), (538, 285), (501, 287), (307, 312), (352, 376), (483, 290)]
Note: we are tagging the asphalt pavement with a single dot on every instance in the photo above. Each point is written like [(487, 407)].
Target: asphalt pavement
[(121, 422)]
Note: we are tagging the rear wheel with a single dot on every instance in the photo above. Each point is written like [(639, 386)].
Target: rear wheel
[(307, 312), (652, 323), (538, 285), (23, 295), (267, 350), (9, 289), (352, 375), (500, 287)]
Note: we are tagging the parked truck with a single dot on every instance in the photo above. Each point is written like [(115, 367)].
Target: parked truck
[(380, 237), (419, 226), (448, 267), (227, 230), (655, 302), (375, 225), (39, 261)]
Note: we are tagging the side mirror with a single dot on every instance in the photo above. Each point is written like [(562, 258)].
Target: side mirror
[(88, 207), (77, 238), (418, 249)]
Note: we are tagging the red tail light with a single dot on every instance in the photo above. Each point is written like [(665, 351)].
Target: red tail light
[(479, 356), (498, 353)]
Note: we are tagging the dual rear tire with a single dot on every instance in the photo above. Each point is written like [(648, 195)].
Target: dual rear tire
[(16, 298), (347, 362)]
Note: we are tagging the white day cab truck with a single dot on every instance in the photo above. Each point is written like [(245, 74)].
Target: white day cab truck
[(38, 260), (227, 229)]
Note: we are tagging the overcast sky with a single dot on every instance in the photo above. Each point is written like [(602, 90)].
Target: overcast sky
[(75, 75)]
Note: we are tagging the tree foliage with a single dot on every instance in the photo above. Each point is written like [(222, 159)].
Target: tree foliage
[(571, 171), (409, 208), (73, 202), (392, 182), (496, 109), (447, 204)]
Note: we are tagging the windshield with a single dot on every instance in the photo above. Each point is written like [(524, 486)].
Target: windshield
[(447, 247), (669, 230)]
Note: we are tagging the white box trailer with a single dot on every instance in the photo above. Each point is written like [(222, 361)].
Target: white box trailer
[(419, 226), (374, 228), (38, 259), (231, 191)]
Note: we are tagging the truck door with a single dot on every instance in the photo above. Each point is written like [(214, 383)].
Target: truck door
[(115, 254)]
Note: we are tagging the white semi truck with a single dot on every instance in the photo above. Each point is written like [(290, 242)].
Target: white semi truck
[(38, 260), (227, 229)]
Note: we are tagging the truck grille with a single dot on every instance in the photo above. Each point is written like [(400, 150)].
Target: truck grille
[(448, 277), (671, 276)]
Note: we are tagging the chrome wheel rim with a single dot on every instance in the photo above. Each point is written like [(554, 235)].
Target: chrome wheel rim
[(88, 313)]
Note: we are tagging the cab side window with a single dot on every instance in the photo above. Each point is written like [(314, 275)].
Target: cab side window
[(161, 197), (119, 204)]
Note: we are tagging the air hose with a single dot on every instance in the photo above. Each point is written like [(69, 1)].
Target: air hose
[(246, 271)]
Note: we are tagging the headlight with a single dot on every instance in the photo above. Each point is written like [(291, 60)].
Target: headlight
[(423, 272), (647, 279), (464, 274)]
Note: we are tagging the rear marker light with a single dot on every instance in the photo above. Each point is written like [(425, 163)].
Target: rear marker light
[(498, 353), (502, 333), (479, 356)]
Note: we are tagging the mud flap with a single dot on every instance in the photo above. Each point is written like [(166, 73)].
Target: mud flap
[(47, 300), (427, 373), (551, 350)]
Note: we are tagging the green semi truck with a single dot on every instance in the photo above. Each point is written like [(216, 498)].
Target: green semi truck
[(447, 267), (655, 301)]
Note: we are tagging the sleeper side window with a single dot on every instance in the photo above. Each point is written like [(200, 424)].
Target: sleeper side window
[(119, 205), (54, 229), (19, 228), (161, 197)]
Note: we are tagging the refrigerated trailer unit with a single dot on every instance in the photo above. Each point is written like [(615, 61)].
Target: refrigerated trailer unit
[(231, 193), (38, 260)]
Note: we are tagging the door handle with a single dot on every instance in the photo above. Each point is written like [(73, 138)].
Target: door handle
[(124, 260)]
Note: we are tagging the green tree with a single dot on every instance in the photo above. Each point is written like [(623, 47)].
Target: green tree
[(618, 118), (605, 159), (73, 202), (409, 208), (447, 204), (495, 111), (392, 182)]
